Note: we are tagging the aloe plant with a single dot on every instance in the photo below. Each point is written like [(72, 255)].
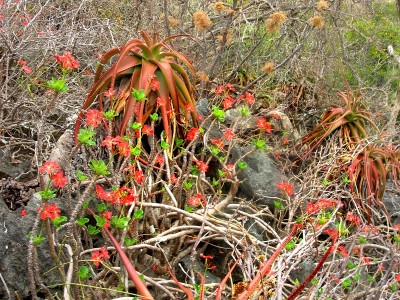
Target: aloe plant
[(145, 78)]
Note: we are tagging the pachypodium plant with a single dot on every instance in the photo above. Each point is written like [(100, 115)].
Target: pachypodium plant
[(146, 83)]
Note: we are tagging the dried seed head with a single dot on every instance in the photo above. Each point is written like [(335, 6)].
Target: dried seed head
[(269, 67), (219, 7), (275, 21), (322, 5), (172, 21), (228, 38), (203, 77), (201, 20), (317, 21)]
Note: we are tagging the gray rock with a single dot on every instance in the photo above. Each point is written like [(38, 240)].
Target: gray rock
[(391, 200), (261, 176)]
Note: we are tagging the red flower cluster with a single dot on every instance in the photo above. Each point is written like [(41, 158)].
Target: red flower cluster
[(228, 102), (248, 98), (286, 187), (229, 135), (201, 165), (154, 84), (109, 93), (24, 67), (196, 200), (353, 219), (117, 145), (67, 61), (333, 233), (148, 130), (137, 175), (322, 204), (191, 135), (263, 125), (99, 256), (207, 259), (94, 118), (218, 143), (122, 196), (50, 211), (52, 169)]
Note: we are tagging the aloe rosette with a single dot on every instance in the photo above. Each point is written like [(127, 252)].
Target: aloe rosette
[(149, 79)]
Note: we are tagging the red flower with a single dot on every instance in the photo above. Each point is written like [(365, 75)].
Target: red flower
[(322, 204), (229, 87), (343, 251), (196, 201), (59, 180), (286, 187), (94, 117), (108, 142), (191, 135), (202, 166), (189, 107), (102, 194), (285, 141), (262, 124), (219, 89), (173, 179), (23, 213), (353, 219), (333, 233), (124, 196), (367, 260), (228, 102), (99, 256), (396, 227), (218, 143), (229, 134), (160, 160), (147, 130), (248, 98), (67, 61), (109, 93), (397, 276), (26, 69), (154, 84), (50, 211), (21, 62), (123, 148), (49, 167), (206, 256), (138, 176)]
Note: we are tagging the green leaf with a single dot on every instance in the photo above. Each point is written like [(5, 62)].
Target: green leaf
[(100, 221), (58, 86), (278, 205), (86, 137), (357, 277), (188, 184), (141, 276), (189, 208), (120, 223), (214, 150), (138, 214), (396, 238), (93, 230), (85, 204), (135, 151), (154, 117), (38, 240), (346, 180), (291, 245), (244, 111), (139, 95), (57, 221), (362, 240), (80, 176), (82, 221), (47, 193), (218, 113), (325, 181), (242, 165), (164, 145), (351, 266), (297, 282), (260, 144), (215, 181), (101, 207), (99, 167), (178, 142), (136, 126), (83, 273), (110, 114), (129, 242)]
